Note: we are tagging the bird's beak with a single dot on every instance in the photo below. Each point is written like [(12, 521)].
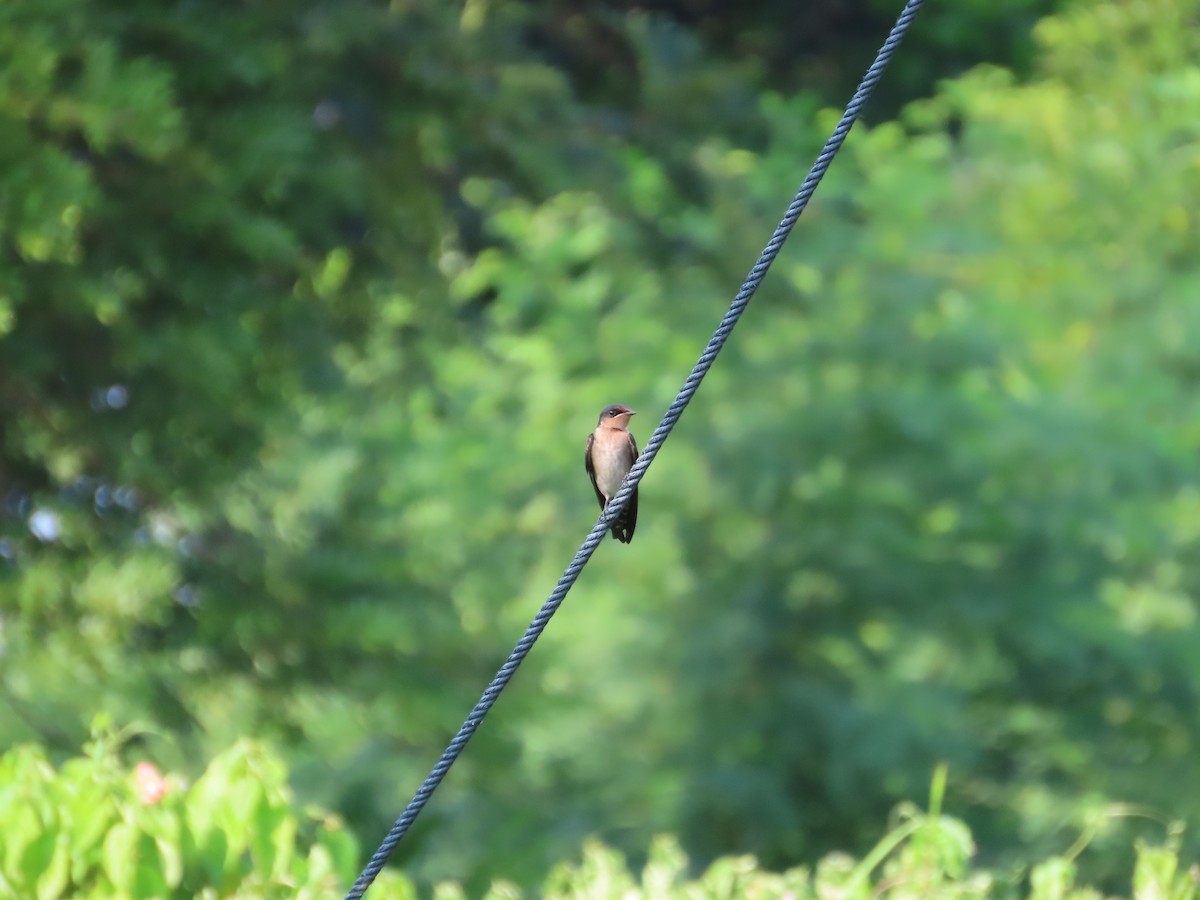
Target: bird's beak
[(631, 412)]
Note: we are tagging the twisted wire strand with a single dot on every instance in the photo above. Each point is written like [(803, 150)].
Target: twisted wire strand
[(690, 386)]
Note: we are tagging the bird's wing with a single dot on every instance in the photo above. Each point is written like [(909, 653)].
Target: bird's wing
[(591, 469), (629, 514)]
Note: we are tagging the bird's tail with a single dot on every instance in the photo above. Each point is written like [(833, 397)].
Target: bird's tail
[(620, 527)]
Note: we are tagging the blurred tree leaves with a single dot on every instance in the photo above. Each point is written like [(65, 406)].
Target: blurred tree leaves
[(305, 311)]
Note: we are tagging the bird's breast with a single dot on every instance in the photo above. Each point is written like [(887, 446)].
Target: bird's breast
[(611, 460)]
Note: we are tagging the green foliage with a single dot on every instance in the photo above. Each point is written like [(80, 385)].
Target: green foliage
[(93, 828), (305, 311), (926, 857)]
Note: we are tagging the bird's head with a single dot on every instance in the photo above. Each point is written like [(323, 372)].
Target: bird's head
[(616, 416)]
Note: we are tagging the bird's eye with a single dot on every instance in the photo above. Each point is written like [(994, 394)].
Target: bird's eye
[(612, 414)]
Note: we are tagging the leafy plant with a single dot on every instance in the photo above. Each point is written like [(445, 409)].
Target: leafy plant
[(96, 828)]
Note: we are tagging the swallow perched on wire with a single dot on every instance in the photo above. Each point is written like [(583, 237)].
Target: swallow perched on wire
[(611, 452)]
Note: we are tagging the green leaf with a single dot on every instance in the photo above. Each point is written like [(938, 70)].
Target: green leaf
[(120, 858), (55, 878)]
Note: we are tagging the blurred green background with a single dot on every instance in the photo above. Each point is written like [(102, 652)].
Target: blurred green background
[(307, 307)]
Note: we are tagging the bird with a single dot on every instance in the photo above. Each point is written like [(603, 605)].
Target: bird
[(611, 451)]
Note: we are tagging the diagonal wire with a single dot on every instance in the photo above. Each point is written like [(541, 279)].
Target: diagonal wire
[(690, 386)]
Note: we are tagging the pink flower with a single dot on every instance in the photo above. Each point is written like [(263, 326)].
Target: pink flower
[(151, 785)]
